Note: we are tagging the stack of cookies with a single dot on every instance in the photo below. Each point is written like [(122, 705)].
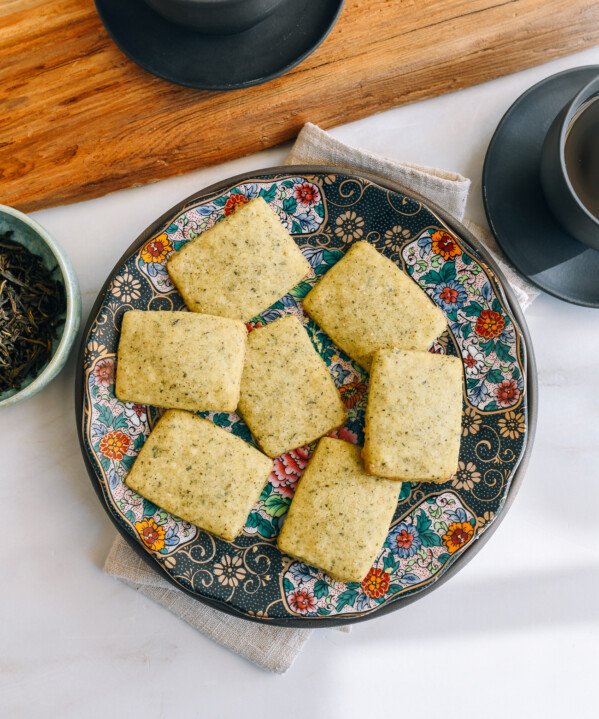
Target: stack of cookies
[(205, 360)]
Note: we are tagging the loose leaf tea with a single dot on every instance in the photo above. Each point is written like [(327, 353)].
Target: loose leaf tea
[(32, 307)]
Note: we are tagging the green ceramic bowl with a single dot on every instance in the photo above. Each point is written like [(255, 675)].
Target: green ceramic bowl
[(29, 233)]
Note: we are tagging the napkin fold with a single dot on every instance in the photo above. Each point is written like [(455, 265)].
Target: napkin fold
[(314, 146), (275, 648), (447, 189), (271, 648)]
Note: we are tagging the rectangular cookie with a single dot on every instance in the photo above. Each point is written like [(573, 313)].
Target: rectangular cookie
[(239, 267), (288, 398), (366, 303), (414, 415), (339, 516), (180, 360), (200, 472)]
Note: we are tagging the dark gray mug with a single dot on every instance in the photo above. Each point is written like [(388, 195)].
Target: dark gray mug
[(215, 17), (569, 182)]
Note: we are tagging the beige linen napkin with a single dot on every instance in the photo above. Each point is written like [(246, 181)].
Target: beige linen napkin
[(272, 648), (275, 648)]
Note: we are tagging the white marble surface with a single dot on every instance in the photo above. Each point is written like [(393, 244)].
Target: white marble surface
[(514, 634)]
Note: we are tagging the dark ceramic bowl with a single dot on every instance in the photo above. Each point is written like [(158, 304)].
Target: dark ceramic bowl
[(570, 212), (215, 17)]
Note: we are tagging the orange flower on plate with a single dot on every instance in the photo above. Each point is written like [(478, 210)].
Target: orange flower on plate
[(376, 583), (234, 201), (458, 534), (157, 250), (443, 244), (152, 534), (114, 444), (489, 324)]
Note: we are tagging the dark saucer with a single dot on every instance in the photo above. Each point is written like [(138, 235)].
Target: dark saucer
[(516, 208), (219, 62)]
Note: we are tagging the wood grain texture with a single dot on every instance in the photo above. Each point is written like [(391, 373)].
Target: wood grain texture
[(78, 119)]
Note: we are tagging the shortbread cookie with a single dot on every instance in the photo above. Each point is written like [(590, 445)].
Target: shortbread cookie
[(366, 303), (239, 267), (414, 415), (180, 360), (200, 472), (340, 516), (288, 398)]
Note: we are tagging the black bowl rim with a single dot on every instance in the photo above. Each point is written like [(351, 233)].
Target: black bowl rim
[(212, 6), (473, 245), (216, 86), (569, 110)]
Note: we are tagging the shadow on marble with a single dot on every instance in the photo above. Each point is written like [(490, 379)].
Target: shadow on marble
[(510, 604)]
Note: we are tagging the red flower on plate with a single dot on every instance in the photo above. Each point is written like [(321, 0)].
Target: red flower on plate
[(234, 201), (306, 193), (287, 470), (489, 324), (138, 409), (104, 372), (254, 325), (507, 393), (404, 539), (345, 434), (449, 295), (469, 361), (302, 601)]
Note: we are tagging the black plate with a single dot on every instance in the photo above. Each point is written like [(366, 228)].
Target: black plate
[(219, 62), (516, 208), (472, 246)]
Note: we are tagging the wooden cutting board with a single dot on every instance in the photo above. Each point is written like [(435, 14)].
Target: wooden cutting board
[(78, 119)]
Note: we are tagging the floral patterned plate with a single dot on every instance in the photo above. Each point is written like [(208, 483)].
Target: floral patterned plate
[(436, 527)]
